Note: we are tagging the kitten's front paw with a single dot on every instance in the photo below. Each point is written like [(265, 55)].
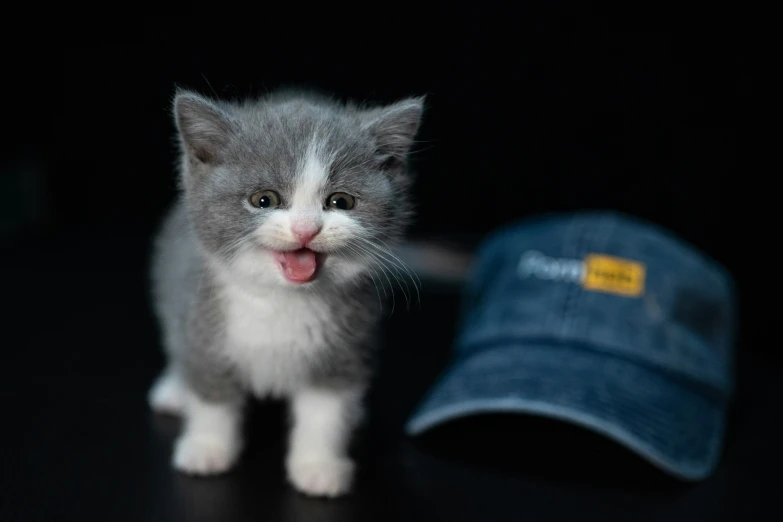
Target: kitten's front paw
[(204, 455), (321, 478)]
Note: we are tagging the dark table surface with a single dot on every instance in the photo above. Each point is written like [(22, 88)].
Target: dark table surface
[(78, 442)]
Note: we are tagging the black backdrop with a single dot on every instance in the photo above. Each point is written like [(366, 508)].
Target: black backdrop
[(523, 117), (520, 121), (641, 123)]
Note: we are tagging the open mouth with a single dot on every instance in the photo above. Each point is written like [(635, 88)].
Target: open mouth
[(300, 266)]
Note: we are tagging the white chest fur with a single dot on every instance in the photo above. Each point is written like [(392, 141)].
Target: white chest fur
[(273, 339)]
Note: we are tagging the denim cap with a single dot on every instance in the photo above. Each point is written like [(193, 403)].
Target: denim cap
[(601, 320)]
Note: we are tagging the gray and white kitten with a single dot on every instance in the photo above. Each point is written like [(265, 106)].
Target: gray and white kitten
[(262, 272)]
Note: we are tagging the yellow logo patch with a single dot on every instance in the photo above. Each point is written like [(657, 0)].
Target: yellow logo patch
[(613, 275)]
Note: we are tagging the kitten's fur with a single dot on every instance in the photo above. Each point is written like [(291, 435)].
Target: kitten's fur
[(232, 324)]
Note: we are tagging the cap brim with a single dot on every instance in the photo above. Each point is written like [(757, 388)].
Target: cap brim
[(662, 420)]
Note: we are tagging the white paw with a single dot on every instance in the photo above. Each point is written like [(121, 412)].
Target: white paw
[(167, 395), (204, 454), (321, 478)]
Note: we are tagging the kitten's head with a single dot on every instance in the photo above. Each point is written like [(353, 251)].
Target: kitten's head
[(296, 190)]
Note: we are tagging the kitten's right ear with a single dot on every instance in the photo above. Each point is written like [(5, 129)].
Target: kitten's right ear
[(204, 127), (394, 127)]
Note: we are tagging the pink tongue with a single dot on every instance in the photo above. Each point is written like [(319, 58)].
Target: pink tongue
[(300, 264)]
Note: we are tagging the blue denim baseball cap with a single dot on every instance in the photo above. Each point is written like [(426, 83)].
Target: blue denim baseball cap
[(601, 320)]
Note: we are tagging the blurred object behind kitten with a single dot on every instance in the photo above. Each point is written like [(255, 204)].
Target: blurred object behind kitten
[(440, 263)]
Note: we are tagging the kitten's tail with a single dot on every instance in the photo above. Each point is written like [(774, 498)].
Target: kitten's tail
[(437, 264)]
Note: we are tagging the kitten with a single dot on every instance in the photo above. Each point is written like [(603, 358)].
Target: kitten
[(262, 272)]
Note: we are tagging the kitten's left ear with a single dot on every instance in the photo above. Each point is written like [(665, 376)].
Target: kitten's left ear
[(394, 127)]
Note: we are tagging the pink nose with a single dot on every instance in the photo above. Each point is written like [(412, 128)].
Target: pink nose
[(305, 232)]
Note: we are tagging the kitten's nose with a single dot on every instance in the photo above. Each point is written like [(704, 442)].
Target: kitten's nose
[(305, 232)]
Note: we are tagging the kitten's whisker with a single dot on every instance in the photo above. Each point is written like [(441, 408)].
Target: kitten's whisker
[(372, 262), (390, 252), (410, 271), (380, 302), (398, 278), (418, 151), (356, 252), (398, 263), (393, 270)]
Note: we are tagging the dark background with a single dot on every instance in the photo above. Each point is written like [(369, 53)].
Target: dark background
[(521, 119)]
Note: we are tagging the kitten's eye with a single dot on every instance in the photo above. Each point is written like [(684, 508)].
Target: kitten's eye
[(341, 201), (265, 199)]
